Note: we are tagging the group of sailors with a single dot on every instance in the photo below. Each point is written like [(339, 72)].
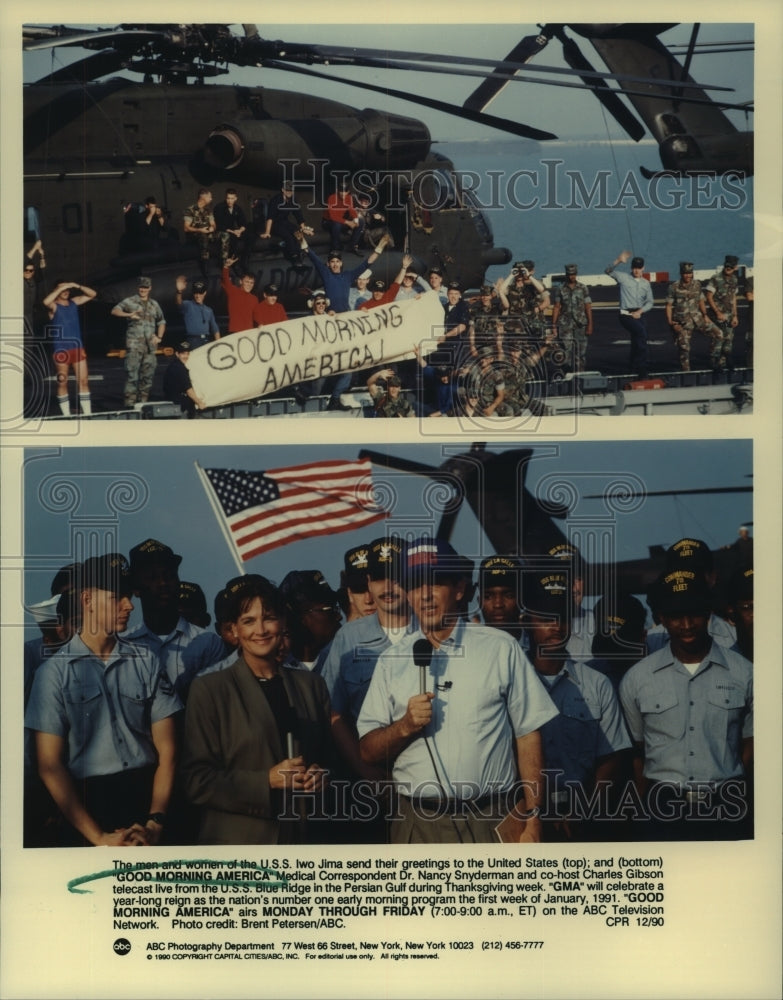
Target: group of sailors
[(425, 700)]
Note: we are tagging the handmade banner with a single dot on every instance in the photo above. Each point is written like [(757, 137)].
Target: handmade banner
[(261, 361)]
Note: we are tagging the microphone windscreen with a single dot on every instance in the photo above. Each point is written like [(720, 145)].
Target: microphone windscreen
[(422, 652)]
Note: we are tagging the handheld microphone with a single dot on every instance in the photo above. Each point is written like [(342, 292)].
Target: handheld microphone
[(292, 734), (422, 657)]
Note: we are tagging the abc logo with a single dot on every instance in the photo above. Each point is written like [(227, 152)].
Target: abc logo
[(121, 946)]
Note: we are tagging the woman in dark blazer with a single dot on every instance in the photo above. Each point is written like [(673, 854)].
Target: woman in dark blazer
[(255, 732)]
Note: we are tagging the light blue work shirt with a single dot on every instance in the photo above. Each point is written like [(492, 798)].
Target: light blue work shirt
[(635, 293), (589, 724), (486, 696), (199, 319), (202, 653), (349, 667), (104, 710), (580, 641), (692, 725), (169, 649)]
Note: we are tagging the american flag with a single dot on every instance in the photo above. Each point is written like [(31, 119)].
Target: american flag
[(263, 510)]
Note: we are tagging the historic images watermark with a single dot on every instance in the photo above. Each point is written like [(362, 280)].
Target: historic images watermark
[(549, 186)]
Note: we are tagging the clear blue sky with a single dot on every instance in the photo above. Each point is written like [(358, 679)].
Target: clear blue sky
[(172, 505)]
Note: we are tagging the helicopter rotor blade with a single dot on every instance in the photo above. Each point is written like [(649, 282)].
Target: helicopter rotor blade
[(608, 98), (598, 86), (95, 65), (705, 491), (522, 52), (406, 465), (503, 124), (253, 50), (52, 38), (393, 58)]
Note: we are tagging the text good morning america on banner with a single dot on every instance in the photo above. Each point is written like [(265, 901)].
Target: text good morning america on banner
[(260, 511), (257, 362)]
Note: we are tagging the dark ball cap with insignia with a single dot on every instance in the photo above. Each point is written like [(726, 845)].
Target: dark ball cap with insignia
[(683, 591), (500, 571), (152, 551), (301, 587), (386, 558), (355, 572), (689, 553), (546, 593), (110, 572)]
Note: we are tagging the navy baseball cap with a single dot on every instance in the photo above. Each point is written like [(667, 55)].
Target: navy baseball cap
[(301, 587), (689, 553), (386, 557), (432, 558), (355, 572), (151, 551), (546, 592), (110, 572), (499, 571), (683, 591)]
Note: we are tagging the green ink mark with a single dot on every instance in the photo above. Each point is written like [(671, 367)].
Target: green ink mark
[(265, 882)]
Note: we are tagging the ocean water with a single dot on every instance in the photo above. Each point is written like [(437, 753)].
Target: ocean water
[(583, 202)]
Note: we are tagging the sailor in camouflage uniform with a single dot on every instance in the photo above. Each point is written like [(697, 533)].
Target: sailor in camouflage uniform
[(488, 384), (686, 311), (526, 298), (389, 403), (721, 292), (522, 356), (146, 326), (573, 317), (485, 314), (200, 227)]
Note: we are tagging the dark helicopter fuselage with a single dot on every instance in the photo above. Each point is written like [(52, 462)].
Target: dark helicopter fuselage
[(91, 149)]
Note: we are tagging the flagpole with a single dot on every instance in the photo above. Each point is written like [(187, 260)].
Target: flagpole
[(221, 519)]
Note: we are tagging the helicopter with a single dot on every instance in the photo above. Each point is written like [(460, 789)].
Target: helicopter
[(694, 135), (95, 147), (95, 144), (517, 520)]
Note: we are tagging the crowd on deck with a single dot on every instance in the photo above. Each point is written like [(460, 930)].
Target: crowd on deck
[(494, 341), (424, 699)]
